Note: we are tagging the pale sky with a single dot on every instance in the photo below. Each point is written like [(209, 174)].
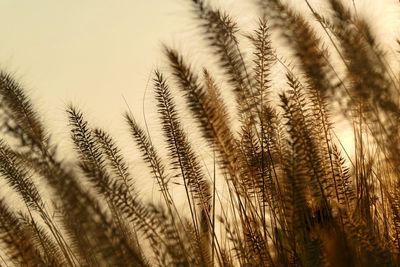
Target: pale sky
[(86, 52), (94, 52)]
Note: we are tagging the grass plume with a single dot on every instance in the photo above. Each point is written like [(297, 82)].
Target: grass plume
[(279, 190)]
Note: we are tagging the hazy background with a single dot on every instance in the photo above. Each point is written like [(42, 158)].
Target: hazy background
[(95, 53)]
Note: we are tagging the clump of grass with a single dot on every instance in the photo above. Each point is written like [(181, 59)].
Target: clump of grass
[(282, 191)]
